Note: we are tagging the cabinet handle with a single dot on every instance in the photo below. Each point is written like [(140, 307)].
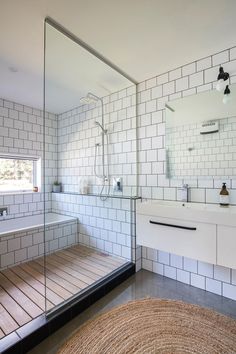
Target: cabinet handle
[(172, 225)]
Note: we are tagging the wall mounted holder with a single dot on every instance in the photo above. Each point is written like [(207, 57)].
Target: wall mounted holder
[(117, 184)]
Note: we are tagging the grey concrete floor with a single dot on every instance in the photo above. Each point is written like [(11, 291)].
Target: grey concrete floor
[(141, 285)]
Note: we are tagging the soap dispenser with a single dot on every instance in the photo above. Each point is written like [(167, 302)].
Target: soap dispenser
[(224, 195)]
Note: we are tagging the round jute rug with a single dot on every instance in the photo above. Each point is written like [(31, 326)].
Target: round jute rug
[(155, 326)]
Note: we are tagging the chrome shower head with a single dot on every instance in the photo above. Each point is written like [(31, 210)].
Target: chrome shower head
[(85, 100), (90, 98)]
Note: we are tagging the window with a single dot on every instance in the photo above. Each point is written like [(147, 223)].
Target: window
[(18, 173)]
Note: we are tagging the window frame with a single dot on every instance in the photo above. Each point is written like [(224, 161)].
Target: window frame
[(36, 171)]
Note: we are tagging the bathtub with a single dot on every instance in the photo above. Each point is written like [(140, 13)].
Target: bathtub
[(23, 239), (12, 226)]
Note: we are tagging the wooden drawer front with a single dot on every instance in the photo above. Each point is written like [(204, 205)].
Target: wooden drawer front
[(197, 244), (226, 246)]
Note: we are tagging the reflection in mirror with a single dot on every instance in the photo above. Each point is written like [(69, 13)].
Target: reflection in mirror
[(201, 135)]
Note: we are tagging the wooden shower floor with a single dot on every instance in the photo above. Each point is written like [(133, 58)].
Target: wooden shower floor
[(22, 287)]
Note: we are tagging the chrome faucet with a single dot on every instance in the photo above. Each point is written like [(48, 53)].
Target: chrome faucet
[(184, 192), (3, 211)]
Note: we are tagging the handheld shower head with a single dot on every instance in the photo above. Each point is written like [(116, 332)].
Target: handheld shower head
[(99, 125)]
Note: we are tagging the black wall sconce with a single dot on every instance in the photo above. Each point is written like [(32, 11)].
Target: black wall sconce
[(221, 78), (223, 84)]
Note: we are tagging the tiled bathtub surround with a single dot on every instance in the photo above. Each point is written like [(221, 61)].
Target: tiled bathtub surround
[(153, 94), (78, 134), (25, 246)]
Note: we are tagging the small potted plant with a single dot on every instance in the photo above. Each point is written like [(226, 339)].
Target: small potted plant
[(56, 187)]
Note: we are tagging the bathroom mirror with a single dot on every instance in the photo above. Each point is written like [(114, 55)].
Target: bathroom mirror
[(201, 135)]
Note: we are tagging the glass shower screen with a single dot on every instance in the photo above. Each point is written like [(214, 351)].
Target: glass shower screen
[(90, 167)]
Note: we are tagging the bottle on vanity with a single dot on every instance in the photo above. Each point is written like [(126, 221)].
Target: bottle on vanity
[(224, 195)]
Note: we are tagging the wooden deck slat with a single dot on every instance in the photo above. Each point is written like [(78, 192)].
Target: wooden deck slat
[(26, 289), (101, 255), (30, 307), (7, 323), (76, 265), (63, 293), (59, 280), (68, 271), (51, 266), (84, 259), (89, 260), (51, 296), (86, 263), (1, 334), (15, 310), (82, 264), (100, 259)]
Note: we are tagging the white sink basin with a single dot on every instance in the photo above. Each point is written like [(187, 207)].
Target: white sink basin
[(209, 213)]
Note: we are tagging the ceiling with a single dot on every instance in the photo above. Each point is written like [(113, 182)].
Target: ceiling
[(142, 37), (71, 72)]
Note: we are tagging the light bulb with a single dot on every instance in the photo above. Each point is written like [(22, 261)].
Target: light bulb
[(226, 98), (220, 85)]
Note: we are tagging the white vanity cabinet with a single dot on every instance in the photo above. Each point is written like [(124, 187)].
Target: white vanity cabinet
[(226, 246), (185, 238), (199, 231)]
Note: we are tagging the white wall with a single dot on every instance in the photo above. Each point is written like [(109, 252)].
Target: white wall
[(153, 94)]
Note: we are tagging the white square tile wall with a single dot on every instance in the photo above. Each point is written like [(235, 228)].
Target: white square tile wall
[(78, 134), (104, 225), (189, 79), (193, 154), (22, 133)]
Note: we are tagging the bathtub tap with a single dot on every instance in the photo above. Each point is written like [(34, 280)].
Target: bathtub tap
[(3, 211)]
